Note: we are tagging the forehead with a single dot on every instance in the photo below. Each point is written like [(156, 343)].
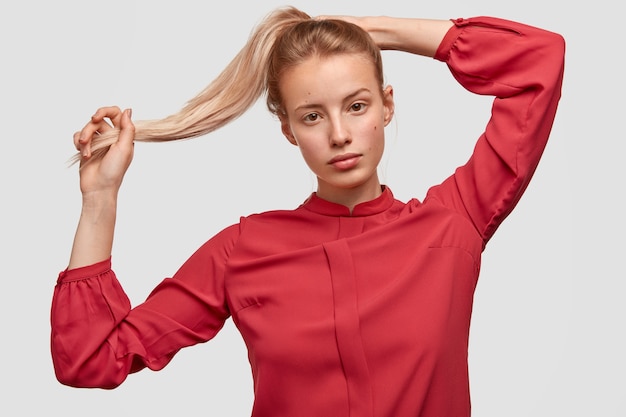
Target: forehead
[(329, 77)]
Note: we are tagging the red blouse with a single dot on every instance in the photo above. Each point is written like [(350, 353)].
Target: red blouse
[(362, 314)]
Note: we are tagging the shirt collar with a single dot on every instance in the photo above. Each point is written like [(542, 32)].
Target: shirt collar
[(381, 203)]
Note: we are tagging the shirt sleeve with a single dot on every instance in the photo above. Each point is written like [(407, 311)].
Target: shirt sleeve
[(522, 67), (97, 339)]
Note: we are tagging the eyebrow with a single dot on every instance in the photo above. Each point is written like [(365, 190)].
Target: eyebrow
[(346, 98)]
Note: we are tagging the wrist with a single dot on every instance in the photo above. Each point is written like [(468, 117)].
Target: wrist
[(99, 206), (99, 199), (381, 29), (94, 235)]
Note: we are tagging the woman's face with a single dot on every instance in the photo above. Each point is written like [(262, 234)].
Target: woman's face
[(336, 114)]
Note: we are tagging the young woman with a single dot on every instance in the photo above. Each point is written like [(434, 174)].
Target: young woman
[(354, 303)]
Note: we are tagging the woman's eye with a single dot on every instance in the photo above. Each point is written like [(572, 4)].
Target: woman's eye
[(311, 117), (357, 107)]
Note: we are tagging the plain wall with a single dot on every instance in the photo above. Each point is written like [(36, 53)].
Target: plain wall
[(547, 334)]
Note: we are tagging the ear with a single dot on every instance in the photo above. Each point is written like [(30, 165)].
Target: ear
[(388, 103), (286, 129)]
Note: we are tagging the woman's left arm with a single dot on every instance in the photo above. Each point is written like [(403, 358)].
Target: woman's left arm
[(414, 35), (522, 68)]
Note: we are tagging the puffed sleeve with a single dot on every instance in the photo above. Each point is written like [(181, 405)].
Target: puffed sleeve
[(97, 339), (522, 67)]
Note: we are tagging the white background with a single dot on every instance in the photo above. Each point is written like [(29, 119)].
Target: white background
[(547, 334)]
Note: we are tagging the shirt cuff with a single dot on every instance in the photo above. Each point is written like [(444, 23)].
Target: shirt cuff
[(443, 51), (85, 272)]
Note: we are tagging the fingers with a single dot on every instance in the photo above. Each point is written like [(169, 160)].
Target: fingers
[(127, 128), (112, 113), (96, 126)]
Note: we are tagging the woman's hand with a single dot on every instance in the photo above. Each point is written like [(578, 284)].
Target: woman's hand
[(100, 180), (105, 174)]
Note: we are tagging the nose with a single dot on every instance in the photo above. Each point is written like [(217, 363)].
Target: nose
[(339, 133)]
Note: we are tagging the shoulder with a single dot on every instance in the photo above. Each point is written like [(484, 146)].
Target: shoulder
[(273, 218)]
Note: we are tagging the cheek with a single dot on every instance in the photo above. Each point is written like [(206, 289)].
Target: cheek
[(310, 152), (377, 134), (377, 140)]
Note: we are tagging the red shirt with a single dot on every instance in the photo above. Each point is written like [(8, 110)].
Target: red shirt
[(362, 314)]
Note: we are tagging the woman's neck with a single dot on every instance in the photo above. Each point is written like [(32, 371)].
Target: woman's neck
[(350, 197)]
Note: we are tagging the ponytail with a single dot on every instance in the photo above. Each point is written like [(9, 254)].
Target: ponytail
[(234, 90)]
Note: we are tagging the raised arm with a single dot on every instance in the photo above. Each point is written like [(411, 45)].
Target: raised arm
[(522, 68), (96, 338), (413, 35), (100, 181)]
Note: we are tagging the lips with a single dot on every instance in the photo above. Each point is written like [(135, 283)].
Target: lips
[(345, 161)]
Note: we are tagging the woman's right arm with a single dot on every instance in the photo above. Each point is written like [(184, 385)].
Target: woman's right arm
[(100, 181), (96, 338)]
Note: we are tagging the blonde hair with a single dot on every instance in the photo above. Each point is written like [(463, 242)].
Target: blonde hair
[(285, 38)]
